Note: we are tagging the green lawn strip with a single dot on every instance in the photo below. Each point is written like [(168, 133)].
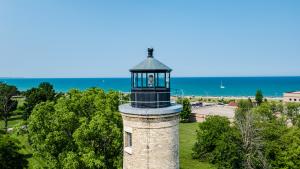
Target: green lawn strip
[(26, 149), (13, 120), (187, 139)]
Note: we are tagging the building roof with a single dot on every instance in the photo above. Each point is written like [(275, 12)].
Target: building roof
[(232, 103), (150, 63)]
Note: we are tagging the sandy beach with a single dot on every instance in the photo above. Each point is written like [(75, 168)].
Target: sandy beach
[(231, 98)]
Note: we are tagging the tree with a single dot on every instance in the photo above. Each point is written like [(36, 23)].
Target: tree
[(259, 97), (256, 140), (112, 100), (271, 133), (243, 107), (7, 105), (79, 130), (44, 92), (289, 152), (100, 142), (218, 143), (10, 158), (186, 110), (252, 145), (265, 111), (228, 152)]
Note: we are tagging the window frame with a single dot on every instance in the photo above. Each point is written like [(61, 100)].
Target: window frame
[(163, 78), (128, 137)]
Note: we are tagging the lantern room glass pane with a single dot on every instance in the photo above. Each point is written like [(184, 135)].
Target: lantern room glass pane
[(151, 80), (168, 80), (161, 80), (144, 79), (139, 80), (134, 79)]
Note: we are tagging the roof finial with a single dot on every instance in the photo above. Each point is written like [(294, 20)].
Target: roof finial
[(150, 52)]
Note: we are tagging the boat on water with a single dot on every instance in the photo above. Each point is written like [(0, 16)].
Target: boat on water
[(221, 86)]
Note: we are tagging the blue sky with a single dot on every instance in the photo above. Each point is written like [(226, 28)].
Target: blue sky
[(66, 38)]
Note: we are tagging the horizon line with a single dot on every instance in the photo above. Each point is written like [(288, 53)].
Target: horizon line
[(129, 77)]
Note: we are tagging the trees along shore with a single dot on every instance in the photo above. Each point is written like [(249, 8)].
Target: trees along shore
[(77, 129), (259, 137)]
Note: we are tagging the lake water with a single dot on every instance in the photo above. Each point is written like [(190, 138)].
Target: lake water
[(204, 86)]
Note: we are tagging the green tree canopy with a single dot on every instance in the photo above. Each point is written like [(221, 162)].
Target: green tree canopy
[(218, 143), (10, 158), (79, 130), (7, 105), (289, 151), (34, 96), (186, 109), (259, 97)]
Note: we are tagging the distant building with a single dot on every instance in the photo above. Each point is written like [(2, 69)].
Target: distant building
[(199, 114), (291, 96)]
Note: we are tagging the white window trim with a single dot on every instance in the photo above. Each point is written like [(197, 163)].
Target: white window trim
[(128, 150), (128, 130)]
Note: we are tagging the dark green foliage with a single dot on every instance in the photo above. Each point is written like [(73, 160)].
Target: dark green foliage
[(44, 92), (10, 158), (228, 152), (79, 130), (271, 134), (7, 104), (112, 101), (218, 143), (289, 152), (186, 109), (259, 97), (208, 134)]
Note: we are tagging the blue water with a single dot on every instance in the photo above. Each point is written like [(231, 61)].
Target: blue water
[(204, 86)]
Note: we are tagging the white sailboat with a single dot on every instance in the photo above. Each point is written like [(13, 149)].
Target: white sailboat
[(221, 86)]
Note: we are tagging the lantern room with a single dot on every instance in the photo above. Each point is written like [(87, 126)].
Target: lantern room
[(150, 83)]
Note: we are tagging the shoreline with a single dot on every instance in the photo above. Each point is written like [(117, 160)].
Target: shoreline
[(230, 97)]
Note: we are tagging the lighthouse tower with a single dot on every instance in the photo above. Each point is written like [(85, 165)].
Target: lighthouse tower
[(150, 121)]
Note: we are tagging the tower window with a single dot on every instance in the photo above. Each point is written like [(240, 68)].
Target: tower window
[(151, 80), (128, 138)]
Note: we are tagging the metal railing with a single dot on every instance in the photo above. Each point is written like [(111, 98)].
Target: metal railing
[(131, 97)]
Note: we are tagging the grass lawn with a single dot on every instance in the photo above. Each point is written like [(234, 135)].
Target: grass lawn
[(26, 149), (12, 121), (187, 139)]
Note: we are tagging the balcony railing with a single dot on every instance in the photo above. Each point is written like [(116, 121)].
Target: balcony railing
[(142, 99)]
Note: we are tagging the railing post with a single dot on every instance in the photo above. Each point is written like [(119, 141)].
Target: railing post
[(157, 99), (135, 99)]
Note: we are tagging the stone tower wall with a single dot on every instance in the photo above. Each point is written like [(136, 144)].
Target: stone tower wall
[(155, 141)]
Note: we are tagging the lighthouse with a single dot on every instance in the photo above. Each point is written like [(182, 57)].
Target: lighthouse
[(150, 120)]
